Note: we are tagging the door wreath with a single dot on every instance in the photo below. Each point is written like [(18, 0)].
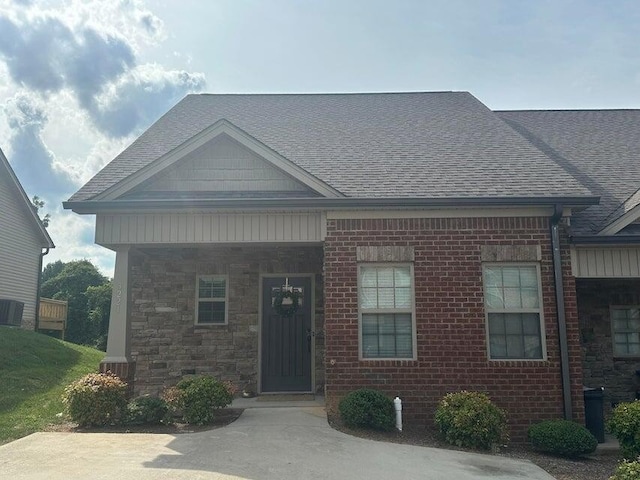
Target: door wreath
[(286, 303)]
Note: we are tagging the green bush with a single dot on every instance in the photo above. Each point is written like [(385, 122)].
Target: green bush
[(627, 471), (146, 410), (562, 437), (367, 409), (625, 425), (197, 398), (471, 420), (96, 399)]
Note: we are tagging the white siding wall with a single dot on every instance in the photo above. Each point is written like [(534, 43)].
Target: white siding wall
[(174, 228), (606, 262), (223, 165), (19, 252)]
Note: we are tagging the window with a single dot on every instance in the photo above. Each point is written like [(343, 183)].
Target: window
[(512, 304), (212, 300), (626, 330), (386, 311)]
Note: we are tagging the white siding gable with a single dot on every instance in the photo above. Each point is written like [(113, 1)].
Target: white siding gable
[(20, 247), (221, 165)]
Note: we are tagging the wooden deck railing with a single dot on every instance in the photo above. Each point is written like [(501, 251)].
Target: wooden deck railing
[(53, 315)]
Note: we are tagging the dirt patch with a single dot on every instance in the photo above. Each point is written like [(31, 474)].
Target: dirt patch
[(593, 467), (223, 417)]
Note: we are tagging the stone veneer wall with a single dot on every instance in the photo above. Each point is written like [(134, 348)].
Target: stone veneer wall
[(600, 367), (165, 342)]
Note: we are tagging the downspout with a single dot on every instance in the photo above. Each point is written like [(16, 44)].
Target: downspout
[(42, 254), (562, 320)]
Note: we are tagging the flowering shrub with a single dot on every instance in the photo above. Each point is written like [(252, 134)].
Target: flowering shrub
[(470, 419), (197, 398), (96, 399)]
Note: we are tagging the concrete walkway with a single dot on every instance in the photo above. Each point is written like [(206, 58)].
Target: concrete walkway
[(263, 444)]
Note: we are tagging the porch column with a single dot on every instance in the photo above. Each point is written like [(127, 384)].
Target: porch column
[(118, 358)]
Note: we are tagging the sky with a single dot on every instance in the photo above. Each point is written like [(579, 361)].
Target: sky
[(80, 80)]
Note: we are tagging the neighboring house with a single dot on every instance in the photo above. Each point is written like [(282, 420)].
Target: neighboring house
[(425, 238), (601, 148), (23, 242)]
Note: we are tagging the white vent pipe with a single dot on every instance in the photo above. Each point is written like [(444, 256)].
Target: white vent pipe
[(397, 403)]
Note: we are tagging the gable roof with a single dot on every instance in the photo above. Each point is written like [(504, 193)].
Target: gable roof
[(601, 148), (29, 211), (441, 145)]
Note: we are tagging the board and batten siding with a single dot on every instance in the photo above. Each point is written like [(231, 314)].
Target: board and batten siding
[(201, 228), (605, 262), (20, 247)]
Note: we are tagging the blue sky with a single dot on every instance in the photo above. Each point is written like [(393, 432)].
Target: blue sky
[(79, 80)]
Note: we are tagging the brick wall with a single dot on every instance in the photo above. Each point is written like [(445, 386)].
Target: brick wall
[(165, 342), (601, 368), (450, 319)]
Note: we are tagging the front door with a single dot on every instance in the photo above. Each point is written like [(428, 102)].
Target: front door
[(287, 338)]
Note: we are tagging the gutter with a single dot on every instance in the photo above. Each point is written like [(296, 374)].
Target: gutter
[(323, 203), (42, 254), (562, 320), (606, 240)]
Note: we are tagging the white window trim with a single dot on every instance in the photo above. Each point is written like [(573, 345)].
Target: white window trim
[(539, 311), (214, 299), (411, 310), (613, 331)]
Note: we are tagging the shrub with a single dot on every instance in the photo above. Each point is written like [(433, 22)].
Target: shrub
[(627, 471), (562, 437), (146, 410), (368, 409), (625, 425), (470, 419), (198, 397), (96, 399)]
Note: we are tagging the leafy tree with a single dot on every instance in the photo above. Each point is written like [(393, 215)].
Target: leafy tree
[(99, 307), (71, 284), (39, 205), (52, 269)]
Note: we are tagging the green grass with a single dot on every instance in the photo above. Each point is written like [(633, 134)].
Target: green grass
[(34, 370)]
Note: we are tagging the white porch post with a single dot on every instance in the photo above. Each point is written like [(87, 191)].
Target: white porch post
[(118, 358)]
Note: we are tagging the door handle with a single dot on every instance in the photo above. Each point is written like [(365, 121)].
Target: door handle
[(310, 333)]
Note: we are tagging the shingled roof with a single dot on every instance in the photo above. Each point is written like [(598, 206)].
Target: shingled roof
[(601, 148), (396, 145)]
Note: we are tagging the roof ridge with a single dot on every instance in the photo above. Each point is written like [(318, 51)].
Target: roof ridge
[(326, 94)]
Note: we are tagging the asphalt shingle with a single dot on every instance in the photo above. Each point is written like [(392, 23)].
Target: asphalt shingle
[(421, 145), (601, 148)]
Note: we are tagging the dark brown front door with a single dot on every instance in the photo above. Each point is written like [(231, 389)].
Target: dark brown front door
[(286, 340)]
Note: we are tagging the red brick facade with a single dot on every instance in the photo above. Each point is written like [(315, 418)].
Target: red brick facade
[(450, 319)]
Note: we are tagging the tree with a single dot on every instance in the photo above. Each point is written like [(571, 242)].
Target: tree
[(99, 306), (52, 269), (39, 205), (71, 284)]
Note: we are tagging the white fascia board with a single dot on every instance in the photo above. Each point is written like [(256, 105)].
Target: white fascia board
[(621, 222), (220, 127)]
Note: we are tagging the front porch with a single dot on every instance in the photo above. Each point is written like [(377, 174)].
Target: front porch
[(166, 326), (609, 326)]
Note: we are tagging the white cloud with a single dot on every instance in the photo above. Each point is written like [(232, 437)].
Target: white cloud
[(73, 236)]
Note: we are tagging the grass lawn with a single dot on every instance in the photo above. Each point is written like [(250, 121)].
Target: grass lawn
[(34, 370)]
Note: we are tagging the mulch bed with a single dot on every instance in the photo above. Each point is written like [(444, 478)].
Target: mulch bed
[(223, 417), (593, 467)]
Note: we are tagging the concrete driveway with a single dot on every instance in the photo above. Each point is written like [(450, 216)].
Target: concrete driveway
[(263, 444)]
